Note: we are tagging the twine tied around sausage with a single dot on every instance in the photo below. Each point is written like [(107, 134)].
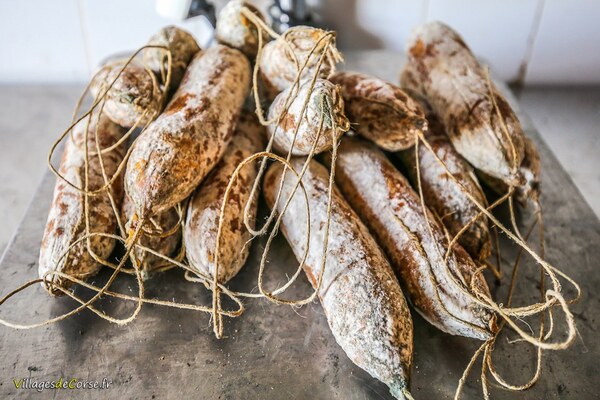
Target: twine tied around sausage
[(508, 315), (48, 279), (130, 237), (323, 52)]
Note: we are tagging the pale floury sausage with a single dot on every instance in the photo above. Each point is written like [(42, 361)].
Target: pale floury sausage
[(442, 68), (364, 305), (135, 97), (205, 206), (66, 220), (305, 44), (234, 29), (388, 205), (315, 127)]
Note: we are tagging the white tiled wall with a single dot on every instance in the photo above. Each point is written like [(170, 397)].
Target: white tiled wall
[(499, 34), (567, 46), (64, 40), (114, 26), (41, 41), (372, 23)]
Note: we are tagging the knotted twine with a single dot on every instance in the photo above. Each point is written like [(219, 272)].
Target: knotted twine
[(549, 298), (324, 49)]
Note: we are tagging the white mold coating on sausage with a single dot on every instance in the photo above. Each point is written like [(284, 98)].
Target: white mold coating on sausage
[(204, 210), (324, 103), (278, 71), (66, 219), (385, 201), (442, 68), (364, 305), (235, 30)]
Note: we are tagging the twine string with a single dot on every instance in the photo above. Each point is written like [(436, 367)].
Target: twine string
[(323, 52), (549, 298)]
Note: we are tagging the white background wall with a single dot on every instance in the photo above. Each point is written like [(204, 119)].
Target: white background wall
[(558, 40)]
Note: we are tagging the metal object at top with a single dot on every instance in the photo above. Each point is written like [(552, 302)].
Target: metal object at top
[(288, 13)]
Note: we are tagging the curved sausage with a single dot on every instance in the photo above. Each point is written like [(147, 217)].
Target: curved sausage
[(442, 68), (186, 141), (364, 305), (387, 204)]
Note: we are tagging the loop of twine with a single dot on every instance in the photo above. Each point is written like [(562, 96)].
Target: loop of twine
[(327, 110), (549, 298), (321, 49), (326, 52)]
